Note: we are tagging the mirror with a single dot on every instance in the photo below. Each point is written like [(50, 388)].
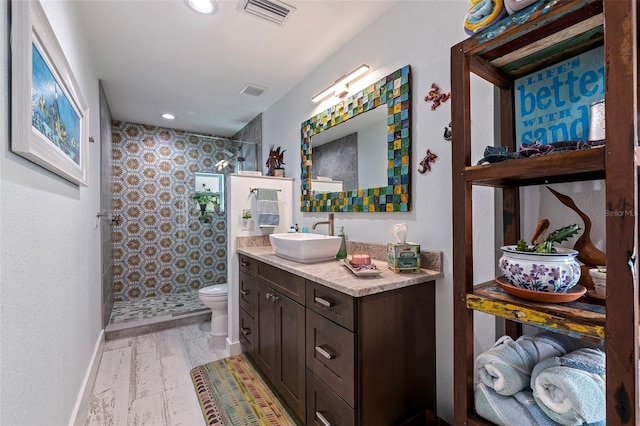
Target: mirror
[(351, 155), (389, 190)]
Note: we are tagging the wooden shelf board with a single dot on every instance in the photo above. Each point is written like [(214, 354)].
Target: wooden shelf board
[(545, 26), (583, 165), (579, 319)]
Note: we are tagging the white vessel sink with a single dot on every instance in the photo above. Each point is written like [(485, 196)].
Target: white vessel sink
[(304, 247)]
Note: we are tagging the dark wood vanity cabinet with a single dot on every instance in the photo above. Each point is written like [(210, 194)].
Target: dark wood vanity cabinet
[(342, 360), (374, 353), (279, 341)]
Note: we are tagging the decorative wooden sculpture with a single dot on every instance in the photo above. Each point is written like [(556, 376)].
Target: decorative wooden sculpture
[(275, 161), (588, 253)]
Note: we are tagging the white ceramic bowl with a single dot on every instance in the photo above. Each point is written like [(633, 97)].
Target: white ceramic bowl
[(547, 272), (599, 278)]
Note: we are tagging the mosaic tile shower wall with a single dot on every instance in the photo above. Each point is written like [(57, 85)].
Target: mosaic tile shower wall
[(160, 246)]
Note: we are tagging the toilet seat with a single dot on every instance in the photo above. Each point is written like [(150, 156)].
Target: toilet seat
[(217, 291)]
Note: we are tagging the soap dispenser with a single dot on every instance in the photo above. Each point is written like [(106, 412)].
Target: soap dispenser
[(342, 253)]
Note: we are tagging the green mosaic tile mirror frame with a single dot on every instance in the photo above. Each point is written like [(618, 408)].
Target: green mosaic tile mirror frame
[(393, 90)]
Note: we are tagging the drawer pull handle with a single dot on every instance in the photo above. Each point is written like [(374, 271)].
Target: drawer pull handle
[(268, 296), (244, 292), (324, 302), (245, 331), (244, 264), (324, 353), (322, 419)]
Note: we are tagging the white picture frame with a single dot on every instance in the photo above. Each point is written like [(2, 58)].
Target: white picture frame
[(49, 117)]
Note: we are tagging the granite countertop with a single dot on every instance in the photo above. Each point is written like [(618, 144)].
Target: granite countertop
[(335, 275)]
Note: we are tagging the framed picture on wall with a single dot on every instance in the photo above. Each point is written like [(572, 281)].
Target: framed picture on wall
[(49, 117)]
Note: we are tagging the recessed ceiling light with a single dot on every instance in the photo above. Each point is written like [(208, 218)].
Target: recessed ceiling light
[(168, 116), (206, 7)]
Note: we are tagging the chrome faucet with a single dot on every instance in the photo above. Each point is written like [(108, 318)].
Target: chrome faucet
[(328, 222)]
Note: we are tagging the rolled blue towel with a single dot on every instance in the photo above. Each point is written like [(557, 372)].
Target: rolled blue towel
[(506, 367), (519, 409), (570, 389), (482, 14)]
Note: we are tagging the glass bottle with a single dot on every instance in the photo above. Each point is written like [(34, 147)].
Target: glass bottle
[(342, 253)]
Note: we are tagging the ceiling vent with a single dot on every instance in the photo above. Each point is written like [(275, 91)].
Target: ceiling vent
[(273, 11), (253, 90)]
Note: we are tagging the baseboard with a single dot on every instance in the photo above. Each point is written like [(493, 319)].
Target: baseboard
[(233, 348), (81, 408)]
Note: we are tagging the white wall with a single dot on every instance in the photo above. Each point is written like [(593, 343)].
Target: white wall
[(418, 33), (240, 197), (49, 258)]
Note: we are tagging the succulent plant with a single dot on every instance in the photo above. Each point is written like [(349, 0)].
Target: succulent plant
[(559, 235)]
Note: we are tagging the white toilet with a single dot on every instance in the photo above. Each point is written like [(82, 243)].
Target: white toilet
[(215, 298)]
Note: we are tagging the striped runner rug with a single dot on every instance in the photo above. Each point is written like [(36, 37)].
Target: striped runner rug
[(232, 393)]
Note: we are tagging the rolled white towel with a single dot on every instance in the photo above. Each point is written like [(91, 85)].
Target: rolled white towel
[(506, 367), (571, 389), (513, 6)]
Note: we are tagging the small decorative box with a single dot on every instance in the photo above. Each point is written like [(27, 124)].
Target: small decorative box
[(403, 257)]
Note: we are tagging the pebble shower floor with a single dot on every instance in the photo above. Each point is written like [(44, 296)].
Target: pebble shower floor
[(168, 305)]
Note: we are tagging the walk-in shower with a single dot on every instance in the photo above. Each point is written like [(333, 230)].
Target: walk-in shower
[(165, 248)]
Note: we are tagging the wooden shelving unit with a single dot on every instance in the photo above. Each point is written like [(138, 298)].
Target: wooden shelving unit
[(553, 31)]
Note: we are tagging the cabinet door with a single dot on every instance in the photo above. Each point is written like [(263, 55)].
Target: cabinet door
[(324, 407), (247, 293), (264, 353), (331, 355), (290, 367), (248, 265), (331, 304), (247, 333)]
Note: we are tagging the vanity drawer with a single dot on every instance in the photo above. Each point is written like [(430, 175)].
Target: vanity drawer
[(247, 333), (324, 407), (247, 264), (285, 282), (331, 355), (332, 304), (247, 293)]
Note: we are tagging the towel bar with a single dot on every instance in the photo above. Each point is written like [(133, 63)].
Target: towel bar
[(255, 189)]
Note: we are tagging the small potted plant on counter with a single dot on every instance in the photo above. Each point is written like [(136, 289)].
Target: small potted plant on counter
[(246, 219)]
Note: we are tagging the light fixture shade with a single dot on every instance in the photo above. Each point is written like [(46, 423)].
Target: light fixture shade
[(355, 74), (341, 86), (206, 7), (324, 94), (340, 90)]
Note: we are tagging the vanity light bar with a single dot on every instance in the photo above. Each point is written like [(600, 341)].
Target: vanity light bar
[(340, 86)]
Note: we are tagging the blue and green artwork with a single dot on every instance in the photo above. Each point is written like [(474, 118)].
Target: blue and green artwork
[(51, 111)]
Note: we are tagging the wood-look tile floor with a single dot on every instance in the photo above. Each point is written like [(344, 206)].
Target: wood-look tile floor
[(144, 380)]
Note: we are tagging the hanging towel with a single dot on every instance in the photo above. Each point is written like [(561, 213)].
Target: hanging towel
[(267, 207), (513, 6), (520, 409), (571, 389), (506, 367), (482, 14)]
